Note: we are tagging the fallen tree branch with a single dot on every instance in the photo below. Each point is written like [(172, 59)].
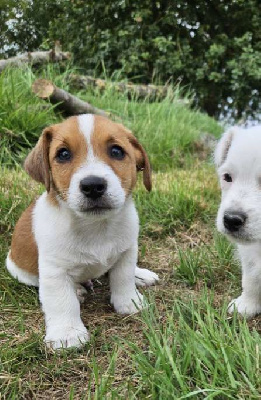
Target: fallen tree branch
[(151, 92), (36, 57), (67, 103)]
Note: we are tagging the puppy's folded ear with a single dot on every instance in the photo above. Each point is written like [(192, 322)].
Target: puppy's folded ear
[(37, 162), (142, 161), (223, 146)]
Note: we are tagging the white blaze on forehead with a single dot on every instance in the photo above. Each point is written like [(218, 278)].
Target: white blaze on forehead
[(115, 194), (86, 127)]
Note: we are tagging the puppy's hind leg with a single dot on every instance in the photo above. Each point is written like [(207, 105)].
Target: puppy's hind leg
[(81, 292), (20, 274)]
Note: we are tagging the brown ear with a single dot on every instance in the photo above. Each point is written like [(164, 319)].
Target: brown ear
[(142, 161), (37, 162)]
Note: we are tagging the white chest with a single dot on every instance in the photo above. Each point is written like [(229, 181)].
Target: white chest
[(85, 250)]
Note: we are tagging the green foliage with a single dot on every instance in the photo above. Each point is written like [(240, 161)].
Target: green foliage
[(212, 46)]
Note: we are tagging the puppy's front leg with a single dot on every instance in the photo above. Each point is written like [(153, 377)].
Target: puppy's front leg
[(124, 296), (249, 303), (61, 307)]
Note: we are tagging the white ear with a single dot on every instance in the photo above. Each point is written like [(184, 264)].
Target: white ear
[(223, 146)]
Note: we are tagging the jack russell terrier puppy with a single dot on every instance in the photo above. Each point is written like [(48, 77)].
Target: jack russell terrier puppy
[(84, 225)]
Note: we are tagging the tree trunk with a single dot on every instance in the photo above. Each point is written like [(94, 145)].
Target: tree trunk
[(37, 57), (67, 103), (151, 92)]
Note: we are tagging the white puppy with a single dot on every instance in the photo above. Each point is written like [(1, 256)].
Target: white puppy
[(84, 225), (238, 161)]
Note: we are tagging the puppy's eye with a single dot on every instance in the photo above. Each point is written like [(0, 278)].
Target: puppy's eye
[(63, 155), (116, 152), (227, 178)]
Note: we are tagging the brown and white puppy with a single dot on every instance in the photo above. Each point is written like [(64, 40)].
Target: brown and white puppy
[(84, 225)]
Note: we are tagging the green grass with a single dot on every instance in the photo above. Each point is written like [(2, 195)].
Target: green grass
[(168, 129), (183, 345), (171, 206), (22, 117), (197, 353), (202, 264)]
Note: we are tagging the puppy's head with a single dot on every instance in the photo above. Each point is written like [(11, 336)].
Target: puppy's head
[(238, 162), (88, 162)]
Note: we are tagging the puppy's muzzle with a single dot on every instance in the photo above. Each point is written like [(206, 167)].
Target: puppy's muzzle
[(93, 187), (233, 221)]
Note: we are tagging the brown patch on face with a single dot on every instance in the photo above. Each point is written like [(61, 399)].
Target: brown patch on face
[(24, 252), (107, 133), (44, 166), (66, 135)]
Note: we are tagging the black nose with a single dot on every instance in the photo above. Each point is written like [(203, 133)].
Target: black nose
[(233, 221), (93, 187)]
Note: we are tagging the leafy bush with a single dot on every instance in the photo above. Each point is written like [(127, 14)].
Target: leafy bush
[(213, 46)]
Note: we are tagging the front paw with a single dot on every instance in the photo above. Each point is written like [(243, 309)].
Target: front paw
[(245, 306), (127, 304), (66, 337), (145, 277)]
